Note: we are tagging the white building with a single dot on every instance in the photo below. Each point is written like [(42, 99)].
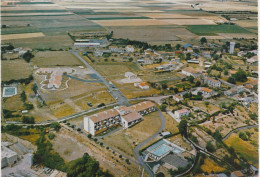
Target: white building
[(231, 47), (130, 75), (129, 48), (212, 82), (180, 113), (191, 72), (8, 157), (86, 44), (125, 116), (177, 98)]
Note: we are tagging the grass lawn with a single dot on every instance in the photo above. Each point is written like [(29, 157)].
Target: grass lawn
[(244, 148), (14, 69), (124, 140), (212, 30)]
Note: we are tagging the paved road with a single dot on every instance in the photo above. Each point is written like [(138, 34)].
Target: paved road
[(115, 93), (239, 128), (137, 148)]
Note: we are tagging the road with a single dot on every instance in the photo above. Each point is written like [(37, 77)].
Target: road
[(239, 128), (137, 148), (115, 93)]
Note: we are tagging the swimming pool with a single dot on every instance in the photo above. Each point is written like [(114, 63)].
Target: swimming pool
[(161, 150), (9, 91)]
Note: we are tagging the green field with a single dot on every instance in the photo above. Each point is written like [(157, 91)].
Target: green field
[(19, 30), (212, 30)]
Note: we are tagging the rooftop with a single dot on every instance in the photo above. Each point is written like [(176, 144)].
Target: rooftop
[(181, 111), (209, 78), (206, 89), (104, 115), (132, 116)]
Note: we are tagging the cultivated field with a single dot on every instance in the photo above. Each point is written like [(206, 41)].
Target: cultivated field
[(131, 22), (21, 36), (14, 69), (55, 58), (246, 149)]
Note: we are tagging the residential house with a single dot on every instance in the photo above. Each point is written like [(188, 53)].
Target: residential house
[(129, 49), (191, 72), (189, 50), (180, 113), (206, 92), (142, 85), (253, 170), (212, 82), (193, 61), (237, 174), (177, 98), (187, 45)]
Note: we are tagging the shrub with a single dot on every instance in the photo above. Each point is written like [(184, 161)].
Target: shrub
[(51, 136), (28, 120)]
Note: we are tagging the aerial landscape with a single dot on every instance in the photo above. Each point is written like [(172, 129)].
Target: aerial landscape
[(129, 88)]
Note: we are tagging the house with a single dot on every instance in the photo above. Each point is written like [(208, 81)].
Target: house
[(217, 175), (212, 82), (23, 51), (180, 113), (131, 119), (237, 174), (189, 50), (129, 48), (206, 54), (142, 85), (130, 75), (177, 98), (206, 92), (191, 72), (113, 48), (98, 53), (124, 116), (253, 60)]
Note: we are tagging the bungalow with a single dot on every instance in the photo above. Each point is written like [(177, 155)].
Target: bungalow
[(177, 98), (191, 72), (180, 113), (193, 61), (212, 82), (142, 85), (129, 48), (253, 60)]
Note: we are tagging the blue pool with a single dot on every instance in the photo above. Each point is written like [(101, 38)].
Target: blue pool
[(161, 150)]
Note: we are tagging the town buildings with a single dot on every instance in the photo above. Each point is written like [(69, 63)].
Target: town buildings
[(212, 82), (124, 116), (191, 72), (129, 48), (180, 113)]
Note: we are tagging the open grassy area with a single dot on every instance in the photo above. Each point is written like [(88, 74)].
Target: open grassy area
[(209, 108), (246, 149), (212, 30), (14, 69), (124, 140), (62, 111), (171, 124), (55, 58), (210, 166), (19, 30)]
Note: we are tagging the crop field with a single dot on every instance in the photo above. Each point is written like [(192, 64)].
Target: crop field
[(124, 140), (246, 149), (55, 58), (19, 30), (211, 30), (189, 21), (14, 69), (21, 36)]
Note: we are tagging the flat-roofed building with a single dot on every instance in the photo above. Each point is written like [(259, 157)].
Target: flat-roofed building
[(180, 113), (8, 157)]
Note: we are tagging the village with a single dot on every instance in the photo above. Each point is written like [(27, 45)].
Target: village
[(122, 99)]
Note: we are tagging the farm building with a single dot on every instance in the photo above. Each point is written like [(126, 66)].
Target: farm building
[(180, 113), (212, 82), (191, 72), (124, 116)]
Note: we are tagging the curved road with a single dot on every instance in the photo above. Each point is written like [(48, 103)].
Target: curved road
[(239, 128), (137, 148)]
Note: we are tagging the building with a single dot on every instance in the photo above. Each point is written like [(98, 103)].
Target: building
[(98, 53), (8, 156), (193, 61), (130, 75), (180, 113), (237, 174), (86, 44), (142, 85), (206, 92), (177, 98), (124, 116), (206, 54), (212, 82), (131, 119), (253, 170), (129, 48), (231, 47), (191, 72), (235, 90), (253, 60), (113, 48)]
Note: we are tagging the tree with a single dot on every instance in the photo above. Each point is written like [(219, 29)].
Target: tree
[(23, 96), (198, 83), (127, 161), (28, 120), (178, 46), (240, 76), (191, 79), (194, 139), (203, 40), (206, 103), (55, 125), (231, 80), (28, 106), (163, 107), (188, 56), (10, 47), (51, 136), (210, 147), (130, 59), (89, 136), (183, 127), (225, 72), (28, 56), (242, 135), (3, 26), (164, 86)]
